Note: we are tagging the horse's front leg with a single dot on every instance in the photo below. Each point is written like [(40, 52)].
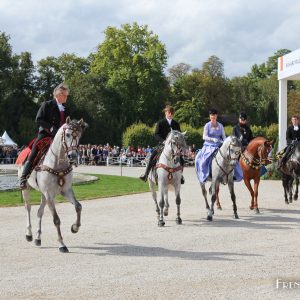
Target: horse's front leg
[(40, 214), (290, 186), (204, 193), (296, 191), (69, 194), (256, 184), (249, 187), (163, 193), (214, 188), (285, 188), (233, 198), (178, 201), (56, 221), (154, 196), (218, 204), (26, 198)]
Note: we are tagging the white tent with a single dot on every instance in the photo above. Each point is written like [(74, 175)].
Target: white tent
[(7, 141)]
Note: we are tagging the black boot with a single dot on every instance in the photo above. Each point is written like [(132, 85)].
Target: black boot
[(25, 175), (144, 177), (182, 179)]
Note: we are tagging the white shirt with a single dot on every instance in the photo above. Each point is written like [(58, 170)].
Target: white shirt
[(296, 127), (169, 121), (60, 106)]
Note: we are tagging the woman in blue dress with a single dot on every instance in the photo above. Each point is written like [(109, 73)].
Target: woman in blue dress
[(213, 136)]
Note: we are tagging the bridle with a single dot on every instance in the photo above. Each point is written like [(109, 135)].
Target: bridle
[(257, 163), (76, 130), (228, 158)]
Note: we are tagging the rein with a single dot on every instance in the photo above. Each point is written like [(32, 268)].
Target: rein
[(61, 173)]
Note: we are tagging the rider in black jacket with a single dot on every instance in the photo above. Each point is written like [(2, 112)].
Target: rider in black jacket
[(163, 127), (241, 128), (51, 115)]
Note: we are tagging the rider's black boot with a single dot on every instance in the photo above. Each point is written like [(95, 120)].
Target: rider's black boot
[(25, 175)]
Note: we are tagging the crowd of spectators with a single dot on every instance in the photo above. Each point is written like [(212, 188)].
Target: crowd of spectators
[(8, 154), (107, 154), (101, 155)]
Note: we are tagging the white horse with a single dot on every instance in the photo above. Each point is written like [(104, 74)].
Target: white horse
[(223, 165), (169, 172), (54, 177)]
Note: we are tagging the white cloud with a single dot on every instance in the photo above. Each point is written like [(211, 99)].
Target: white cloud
[(239, 32)]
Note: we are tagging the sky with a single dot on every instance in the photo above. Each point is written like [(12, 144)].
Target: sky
[(240, 32)]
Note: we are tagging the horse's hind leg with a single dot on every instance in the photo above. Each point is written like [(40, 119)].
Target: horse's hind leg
[(249, 187), (26, 198), (204, 193), (56, 222), (285, 188), (214, 188), (233, 198), (40, 214), (69, 194)]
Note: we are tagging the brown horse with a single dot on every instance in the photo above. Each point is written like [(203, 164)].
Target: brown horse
[(252, 159)]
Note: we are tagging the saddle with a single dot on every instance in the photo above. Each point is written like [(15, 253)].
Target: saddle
[(42, 147)]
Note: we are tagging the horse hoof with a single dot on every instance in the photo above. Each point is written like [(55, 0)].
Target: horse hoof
[(295, 197), (286, 202), (166, 213), (209, 218), (257, 211), (219, 207), (37, 242), (63, 249), (251, 207), (28, 238), (178, 221), (291, 201), (161, 223), (236, 216), (74, 228)]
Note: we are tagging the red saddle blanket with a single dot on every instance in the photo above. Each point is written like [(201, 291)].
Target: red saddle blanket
[(42, 146)]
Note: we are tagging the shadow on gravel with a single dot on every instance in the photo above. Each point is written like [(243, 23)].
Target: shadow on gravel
[(143, 251), (256, 222)]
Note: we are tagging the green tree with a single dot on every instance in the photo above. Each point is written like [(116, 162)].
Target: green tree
[(132, 59)]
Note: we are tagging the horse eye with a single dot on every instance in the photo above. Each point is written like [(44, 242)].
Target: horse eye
[(68, 135)]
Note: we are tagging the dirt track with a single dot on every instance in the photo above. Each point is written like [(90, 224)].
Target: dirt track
[(121, 253)]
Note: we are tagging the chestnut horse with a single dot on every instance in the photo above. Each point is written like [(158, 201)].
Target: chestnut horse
[(252, 159)]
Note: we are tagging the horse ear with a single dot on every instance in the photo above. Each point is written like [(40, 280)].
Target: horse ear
[(68, 120), (184, 133), (82, 124)]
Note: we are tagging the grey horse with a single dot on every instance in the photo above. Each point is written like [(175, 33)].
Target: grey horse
[(54, 177), (169, 172), (223, 165)]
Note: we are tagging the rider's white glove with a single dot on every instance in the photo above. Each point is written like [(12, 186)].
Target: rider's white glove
[(215, 140)]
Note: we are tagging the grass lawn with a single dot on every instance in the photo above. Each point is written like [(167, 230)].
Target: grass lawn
[(107, 186)]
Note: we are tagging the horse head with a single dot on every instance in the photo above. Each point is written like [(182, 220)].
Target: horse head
[(231, 149), (263, 152), (71, 133), (175, 144)]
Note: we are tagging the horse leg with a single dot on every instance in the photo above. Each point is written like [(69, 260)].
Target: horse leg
[(256, 184), (290, 185), (56, 222), (166, 208), (178, 202), (249, 187), (233, 198), (210, 212), (40, 214), (218, 204), (204, 193), (285, 188), (26, 198), (154, 196), (296, 192), (69, 194), (161, 221)]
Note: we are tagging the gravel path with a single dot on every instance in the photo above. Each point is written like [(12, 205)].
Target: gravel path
[(121, 253)]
